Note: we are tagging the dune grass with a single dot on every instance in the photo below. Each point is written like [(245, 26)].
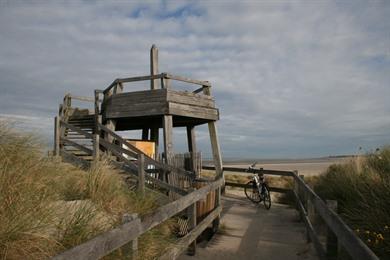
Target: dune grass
[(362, 189), (47, 206)]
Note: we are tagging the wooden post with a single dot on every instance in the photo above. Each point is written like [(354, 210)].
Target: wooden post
[(57, 136), (96, 139), (96, 147), (216, 150), (126, 218), (191, 140), (331, 239), (153, 66), (155, 138), (303, 197), (141, 174), (167, 129), (145, 134), (214, 143), (191, 214), (154, 131)]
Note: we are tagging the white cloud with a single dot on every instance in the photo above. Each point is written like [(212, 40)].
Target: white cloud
[(293, 79)]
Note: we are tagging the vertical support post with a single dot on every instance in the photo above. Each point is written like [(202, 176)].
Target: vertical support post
[(154, 136), (145, 134), (153, 66), (191, 140), (141, 174), (57, 136), (167, 129), (96, 149), (154, 132), (96, 139), (331, 239), (216, 149), (126, 218), (191, 213)]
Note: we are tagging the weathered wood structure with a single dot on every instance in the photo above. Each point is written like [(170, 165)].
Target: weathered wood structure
[(81, 136)]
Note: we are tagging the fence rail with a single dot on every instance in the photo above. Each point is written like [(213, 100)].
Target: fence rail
[(113, 239)]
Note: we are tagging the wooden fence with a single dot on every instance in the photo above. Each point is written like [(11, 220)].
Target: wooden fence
[(310, 207), (130, 231)]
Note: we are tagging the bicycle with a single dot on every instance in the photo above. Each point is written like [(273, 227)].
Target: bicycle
[(257, 189)]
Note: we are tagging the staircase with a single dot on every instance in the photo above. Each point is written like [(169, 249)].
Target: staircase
[(77, 144)]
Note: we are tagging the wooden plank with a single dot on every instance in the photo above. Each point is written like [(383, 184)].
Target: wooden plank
[(199, 90), (137, 110), (70, 158), (167, 131), (103, 244), (165, 212), (347, 238), (193, 111), (154, 66), (188, 80), (245, 170), (78, 146), (76, 129), (182, 244)]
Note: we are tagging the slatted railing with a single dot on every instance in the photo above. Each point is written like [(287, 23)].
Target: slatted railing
[(310, 205)]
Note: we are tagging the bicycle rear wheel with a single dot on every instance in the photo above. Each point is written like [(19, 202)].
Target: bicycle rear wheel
[(266, 197), (252, 192)]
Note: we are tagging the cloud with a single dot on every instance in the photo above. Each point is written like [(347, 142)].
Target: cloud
[(290, 79)]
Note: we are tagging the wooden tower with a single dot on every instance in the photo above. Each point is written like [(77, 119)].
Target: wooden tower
[(162, 107)]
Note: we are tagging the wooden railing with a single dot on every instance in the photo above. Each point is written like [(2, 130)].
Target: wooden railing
[(130, 231), (311, 206), (165, 81)]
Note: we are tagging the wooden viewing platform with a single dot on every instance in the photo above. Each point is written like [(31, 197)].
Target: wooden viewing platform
[(82, 136)]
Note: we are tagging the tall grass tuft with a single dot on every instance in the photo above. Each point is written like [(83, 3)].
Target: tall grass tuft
[(362, 189), (47, 206)]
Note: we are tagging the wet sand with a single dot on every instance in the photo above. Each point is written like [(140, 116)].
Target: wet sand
[(303, 166)]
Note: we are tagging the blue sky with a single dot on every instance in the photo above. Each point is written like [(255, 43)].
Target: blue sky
[(291, 79)]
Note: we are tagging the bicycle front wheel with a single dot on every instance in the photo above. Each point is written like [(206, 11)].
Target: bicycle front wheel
[(252, 192), (266, 197)]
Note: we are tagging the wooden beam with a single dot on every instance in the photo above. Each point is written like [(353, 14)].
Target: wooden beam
[(215, 149), (153, 66), (188, 80), (245, 170), (167, 129)]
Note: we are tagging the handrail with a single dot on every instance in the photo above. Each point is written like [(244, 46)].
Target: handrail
[(352, 243), (157, 76), (148, 159), (113, 239), (355, 247)]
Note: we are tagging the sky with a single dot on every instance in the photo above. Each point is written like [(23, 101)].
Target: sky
[(291, 79)]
